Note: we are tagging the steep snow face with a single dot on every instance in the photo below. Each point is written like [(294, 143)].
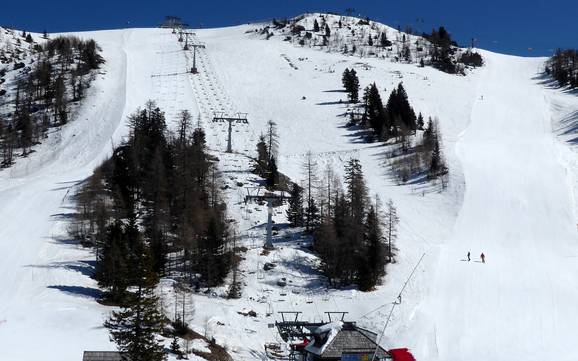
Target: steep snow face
[(508, 197), (47, 300), (517, 210)]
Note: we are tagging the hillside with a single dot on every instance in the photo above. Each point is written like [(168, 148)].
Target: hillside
[(510, 195), (370, 39)]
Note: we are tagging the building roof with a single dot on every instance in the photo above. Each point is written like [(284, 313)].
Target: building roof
[(102, 356), (352, 340)]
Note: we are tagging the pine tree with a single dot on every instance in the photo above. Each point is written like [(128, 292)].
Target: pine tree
[(134, 328), (399, 109), (356, 190), (391, 222), (437, 164), (353, 86), (176, 347), (295, 214), (112, 266), (272, 139), (312, 214), (420, 122), (273, 174), (310, 169), (234, 291), (372, 260), (375, 113), (327, 31), (262, 157), (345, 79), (315, 26), (60, 102), (384, 42), (406, 111)]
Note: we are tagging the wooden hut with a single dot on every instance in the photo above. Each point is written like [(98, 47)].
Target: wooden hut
[(344, 341), (102, 356)]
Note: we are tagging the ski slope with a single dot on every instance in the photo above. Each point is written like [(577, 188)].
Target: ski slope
[(518, 210), (47, 299), (511, 196)]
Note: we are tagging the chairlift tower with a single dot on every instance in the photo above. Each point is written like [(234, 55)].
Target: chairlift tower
[(238, 118), (195, 46), (187, 47), (273, 200)]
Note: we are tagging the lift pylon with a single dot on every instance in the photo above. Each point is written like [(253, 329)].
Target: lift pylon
[(238, 118)]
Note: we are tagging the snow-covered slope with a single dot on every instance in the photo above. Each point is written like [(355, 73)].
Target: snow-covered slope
[(517, 210), (510, 196)]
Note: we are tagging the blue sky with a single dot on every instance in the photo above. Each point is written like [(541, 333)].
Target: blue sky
[(509, 26)]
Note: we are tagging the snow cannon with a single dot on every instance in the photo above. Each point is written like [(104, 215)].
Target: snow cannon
[(401, 354)]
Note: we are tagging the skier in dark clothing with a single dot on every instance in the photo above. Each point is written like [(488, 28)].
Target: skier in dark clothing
[(468, 256), (483, 257)]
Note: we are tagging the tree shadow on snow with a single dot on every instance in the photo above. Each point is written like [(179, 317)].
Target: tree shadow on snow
[(68, 241), (85, 292), (548, 82), (337, 102), (63, 216), (85, 267), (569, 127)]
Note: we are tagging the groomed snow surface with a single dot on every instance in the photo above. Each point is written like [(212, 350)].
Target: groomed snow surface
[(511, 196)]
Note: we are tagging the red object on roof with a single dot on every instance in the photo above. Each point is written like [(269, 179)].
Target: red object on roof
[(301, 346), (401, 354)]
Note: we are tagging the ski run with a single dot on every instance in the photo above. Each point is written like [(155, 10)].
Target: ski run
[(507, 137)]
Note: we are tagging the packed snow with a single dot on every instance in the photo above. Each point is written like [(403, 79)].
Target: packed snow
[(509, 141)]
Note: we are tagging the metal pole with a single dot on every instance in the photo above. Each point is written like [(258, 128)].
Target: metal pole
[(269, 242), (229, 145)]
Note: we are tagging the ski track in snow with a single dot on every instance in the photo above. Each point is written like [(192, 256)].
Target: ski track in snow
[(511, 196)]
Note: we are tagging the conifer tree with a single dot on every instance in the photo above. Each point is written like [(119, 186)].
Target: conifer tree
[(112, 270), (420, 122), (384, 42), (262, 157), (351, 84), (272, 139), (437, 164), (295, 214), (391, 222), (312, 214), (372, 260), (375, 113), (273, 174), (135, 327), (176, 347), (356, 190), (310, 169), (315, 26)]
